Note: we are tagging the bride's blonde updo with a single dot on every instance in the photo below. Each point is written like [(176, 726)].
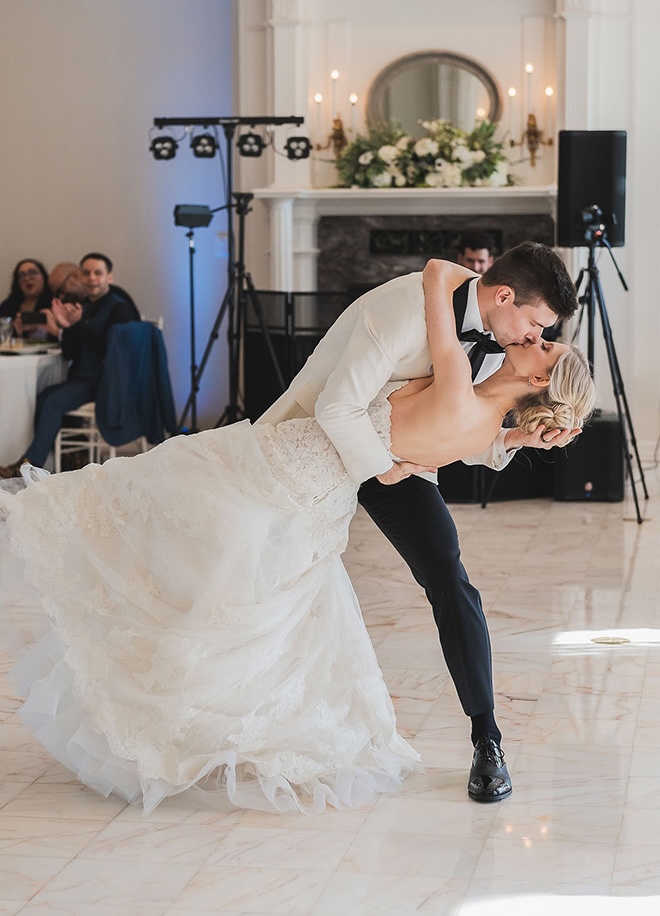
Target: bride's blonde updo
[(568, 400)]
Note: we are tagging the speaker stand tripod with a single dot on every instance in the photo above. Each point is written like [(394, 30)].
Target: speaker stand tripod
[(593, 300)]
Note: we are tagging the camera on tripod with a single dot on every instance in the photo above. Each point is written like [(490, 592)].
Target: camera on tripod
[(591, 219)]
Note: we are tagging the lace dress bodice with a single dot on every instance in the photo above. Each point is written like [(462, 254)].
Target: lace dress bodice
[(304, 460)]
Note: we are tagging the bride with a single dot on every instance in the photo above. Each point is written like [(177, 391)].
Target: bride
[(203, 630)]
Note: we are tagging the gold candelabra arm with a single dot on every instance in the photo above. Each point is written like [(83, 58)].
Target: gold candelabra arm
[(336, 138), (532, 138)]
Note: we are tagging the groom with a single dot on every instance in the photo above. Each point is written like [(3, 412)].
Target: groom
[(382, 337)]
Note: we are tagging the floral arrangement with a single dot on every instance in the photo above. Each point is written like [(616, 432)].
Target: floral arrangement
[(447, 158)]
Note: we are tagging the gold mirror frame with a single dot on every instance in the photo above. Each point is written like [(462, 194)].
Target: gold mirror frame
[(376, 99)]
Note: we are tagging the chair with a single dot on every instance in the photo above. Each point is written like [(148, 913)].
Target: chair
[(135, 371), (83, 435)]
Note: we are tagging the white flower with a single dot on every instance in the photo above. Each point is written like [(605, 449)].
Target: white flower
[(402, 142), (426, 147), (397, 175), (366, 158), (478, 155), (433, 180), (446, 175), (384, 180), (463, 154), (388, 153)]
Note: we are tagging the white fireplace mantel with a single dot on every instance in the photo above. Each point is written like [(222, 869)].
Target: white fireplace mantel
[(294, 214)]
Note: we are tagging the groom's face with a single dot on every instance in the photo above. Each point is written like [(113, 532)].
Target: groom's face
[(517, 324)]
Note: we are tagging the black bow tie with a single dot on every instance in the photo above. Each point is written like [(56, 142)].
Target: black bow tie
[(483, 343)]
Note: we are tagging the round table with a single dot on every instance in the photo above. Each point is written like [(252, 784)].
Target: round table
[(22, 376)]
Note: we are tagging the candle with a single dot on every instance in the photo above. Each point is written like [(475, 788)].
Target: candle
[(549, 120), (334, 76), (529, 101), (353, 99), (318, 98), (512, 93)]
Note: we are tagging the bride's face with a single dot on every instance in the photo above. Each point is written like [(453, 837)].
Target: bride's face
[(536, 361)]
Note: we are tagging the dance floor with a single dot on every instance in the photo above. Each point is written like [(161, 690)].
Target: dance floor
[(572, 596)]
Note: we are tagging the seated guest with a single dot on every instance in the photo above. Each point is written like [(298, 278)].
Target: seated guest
[(29, 296), (66, 277), (475, 251), (84, 309)]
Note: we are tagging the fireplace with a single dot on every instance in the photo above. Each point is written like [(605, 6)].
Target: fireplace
[(356, 253), (343, 238)]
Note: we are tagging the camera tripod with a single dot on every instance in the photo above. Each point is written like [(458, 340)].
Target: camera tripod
[(593, 299)]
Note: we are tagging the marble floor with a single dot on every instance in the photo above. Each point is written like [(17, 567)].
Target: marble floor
[(581, 728)]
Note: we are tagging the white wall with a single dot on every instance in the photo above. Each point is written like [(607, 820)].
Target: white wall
[(82, 81)]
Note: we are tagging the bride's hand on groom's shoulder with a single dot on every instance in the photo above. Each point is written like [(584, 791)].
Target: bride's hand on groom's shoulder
[(554, 438)]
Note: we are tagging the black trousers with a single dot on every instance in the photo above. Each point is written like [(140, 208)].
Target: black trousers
[(52, 403), (413, 516)]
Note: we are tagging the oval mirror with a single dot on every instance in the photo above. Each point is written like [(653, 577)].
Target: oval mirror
[(430, 85)]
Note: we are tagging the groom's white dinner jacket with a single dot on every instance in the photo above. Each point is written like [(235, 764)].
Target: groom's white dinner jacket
[(380, 337)]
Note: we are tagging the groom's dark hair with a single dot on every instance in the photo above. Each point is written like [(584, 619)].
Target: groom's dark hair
[(534, 272)]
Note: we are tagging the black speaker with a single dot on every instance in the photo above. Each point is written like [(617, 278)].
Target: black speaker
[(591, 467), (527, 476), (592, 171)]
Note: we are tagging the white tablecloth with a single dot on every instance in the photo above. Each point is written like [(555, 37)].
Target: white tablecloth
[(21, 377)]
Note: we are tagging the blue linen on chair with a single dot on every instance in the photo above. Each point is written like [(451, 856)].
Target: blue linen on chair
[(134, 397)]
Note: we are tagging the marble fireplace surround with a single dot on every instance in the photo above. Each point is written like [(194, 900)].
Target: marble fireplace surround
[(311, 247)]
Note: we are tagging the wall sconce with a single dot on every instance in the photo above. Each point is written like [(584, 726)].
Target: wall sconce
[(532, 136), (337, 139)]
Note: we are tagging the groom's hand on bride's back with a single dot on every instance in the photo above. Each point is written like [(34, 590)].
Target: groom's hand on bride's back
[(401, 470)]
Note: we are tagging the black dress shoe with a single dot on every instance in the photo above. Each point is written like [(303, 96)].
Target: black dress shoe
[(489, 778)]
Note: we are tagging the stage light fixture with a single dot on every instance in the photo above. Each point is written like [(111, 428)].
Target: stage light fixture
[(250, 144), (298, 147), (163, 147), (204, 146), (192, 215)]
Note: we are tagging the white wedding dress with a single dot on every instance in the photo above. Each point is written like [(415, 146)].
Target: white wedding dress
[(204, 630)]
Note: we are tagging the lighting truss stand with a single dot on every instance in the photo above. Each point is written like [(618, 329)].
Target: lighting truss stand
[(593, 299), (239, 282), (194, 387)]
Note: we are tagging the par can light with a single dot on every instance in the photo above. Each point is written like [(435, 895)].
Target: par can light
[(250, 144), (298, 148), (204, 146), (163, 147)]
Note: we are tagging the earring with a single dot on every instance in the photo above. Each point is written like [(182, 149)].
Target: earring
[(529, 383)]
